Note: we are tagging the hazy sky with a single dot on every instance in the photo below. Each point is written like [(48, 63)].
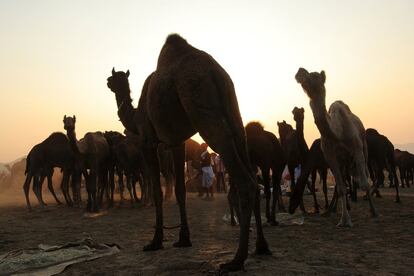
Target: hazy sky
[(56, 55)]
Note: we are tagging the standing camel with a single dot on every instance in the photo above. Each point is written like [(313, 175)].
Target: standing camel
[(131, 162), (405, 163), (55, 151), (315, 162), (114, 138), (342, 139), (380, 157), (266, 153), (188, 93), (93, 154), (293, 143)]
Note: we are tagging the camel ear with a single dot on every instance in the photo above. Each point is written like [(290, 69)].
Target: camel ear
[(74, 118), (302, 109), (127, 73), (64, 118), (113, 71), (323, 76)]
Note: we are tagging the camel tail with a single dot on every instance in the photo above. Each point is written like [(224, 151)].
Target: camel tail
[(26, 170)]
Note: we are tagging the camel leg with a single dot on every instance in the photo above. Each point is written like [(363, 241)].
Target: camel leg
[(102, 185), (111, 186), (93, 191), (121, 186), (266, 182), (26, 188), (40, 188), (180, 194), (363, 181), (345, 220), (396, 184), (154, 170), (277, 193), (313, 190), (51, 189), (129, 187), (64, 187), (323, 175), (36, 185), (76, 182), (237, 163), (233, 204), (134, 188)]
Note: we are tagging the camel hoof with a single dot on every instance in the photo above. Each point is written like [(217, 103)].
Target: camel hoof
[(262, 248), (183, 243), (397, 200), (153, 246), (231, 266), (343, 224), (326, 214), (273, 222)]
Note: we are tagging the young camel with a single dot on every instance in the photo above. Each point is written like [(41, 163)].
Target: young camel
[(342, 138), (188, 93)]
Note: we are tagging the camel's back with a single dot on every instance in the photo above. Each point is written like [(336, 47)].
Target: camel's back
[(346, 124), (97, 145), (57, 149)]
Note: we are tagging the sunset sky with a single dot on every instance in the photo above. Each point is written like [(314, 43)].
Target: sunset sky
[(56, 55)]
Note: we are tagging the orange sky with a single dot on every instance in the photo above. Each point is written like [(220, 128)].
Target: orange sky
[(56, 55)]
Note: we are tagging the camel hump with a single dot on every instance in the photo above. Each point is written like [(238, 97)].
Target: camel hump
[(372, 131), (175, 39), (254, 128)]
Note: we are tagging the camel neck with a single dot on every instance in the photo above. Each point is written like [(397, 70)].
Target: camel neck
[(125, 110), (299, 127), (322, 118), (73, 140)]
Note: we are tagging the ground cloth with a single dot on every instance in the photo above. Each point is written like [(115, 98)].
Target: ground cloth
[(53, 259)]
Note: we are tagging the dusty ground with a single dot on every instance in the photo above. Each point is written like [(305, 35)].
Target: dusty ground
[(384, 246)]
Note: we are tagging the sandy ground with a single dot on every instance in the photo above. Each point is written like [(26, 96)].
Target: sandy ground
[(383, 246)]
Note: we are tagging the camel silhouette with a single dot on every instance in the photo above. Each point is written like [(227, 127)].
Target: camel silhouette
[(266, 153), (342, 138), (380, 157), (190, 92)]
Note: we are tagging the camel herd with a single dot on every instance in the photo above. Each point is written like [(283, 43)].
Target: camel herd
[(190, 92)]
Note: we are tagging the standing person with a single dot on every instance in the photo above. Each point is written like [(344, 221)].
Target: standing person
[(219, 171), (207, 170)]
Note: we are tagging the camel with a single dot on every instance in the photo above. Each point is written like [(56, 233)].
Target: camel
[(55, 151), (190, 92), (113, 139), (299, 116), (130, 160), (92, 153), (266, 153), (405, 163), (315, 162), (293, 143), (380, 157), (343, 140)]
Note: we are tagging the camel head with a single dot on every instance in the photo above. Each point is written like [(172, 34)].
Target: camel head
[(298, 114), (312, 83), (284, 129), (118, 82), (69, 123)]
